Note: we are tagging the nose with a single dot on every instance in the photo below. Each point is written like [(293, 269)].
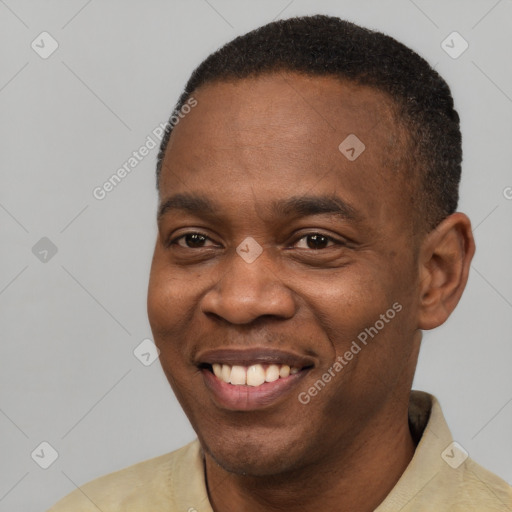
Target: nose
[(248, 291)]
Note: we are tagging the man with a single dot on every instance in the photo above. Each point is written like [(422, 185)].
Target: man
[(308, 233)]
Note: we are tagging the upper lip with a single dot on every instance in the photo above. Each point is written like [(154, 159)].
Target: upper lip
[(250, 356)]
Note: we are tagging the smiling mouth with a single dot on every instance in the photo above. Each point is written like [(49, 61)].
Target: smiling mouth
[(253, 375), (253, 378)]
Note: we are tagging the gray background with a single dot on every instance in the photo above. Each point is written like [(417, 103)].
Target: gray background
[(69, 325)]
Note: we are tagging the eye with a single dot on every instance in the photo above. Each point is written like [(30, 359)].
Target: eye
[(192, 241), (315, 241)]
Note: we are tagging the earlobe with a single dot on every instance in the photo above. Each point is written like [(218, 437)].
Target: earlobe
[(445, 259)]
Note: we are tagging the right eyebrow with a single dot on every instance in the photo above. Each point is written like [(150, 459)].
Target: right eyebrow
[(186, 202)]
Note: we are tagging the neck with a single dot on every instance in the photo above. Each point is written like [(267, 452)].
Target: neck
[(356, 478)]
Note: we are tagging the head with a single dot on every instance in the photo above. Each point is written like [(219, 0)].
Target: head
[(318, 46), (307, 220)]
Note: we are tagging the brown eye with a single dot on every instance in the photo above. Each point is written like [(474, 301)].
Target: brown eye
[(192, 240), (314, 241)]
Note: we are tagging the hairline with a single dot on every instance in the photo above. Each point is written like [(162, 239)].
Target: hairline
[(399, 117)]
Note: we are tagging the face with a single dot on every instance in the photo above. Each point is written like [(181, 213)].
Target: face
[(276, 257)]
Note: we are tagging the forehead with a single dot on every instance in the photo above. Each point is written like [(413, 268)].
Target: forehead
[(289, 132), (291, 104)]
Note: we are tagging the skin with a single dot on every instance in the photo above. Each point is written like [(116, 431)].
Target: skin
[(246, 145)]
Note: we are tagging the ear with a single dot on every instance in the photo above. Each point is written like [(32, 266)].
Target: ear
[(445, 258)]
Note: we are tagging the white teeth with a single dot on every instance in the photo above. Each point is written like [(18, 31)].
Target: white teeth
[(217, 370), (272, 373), (238, 375), (254, 375), (225, 373), (284, 371)]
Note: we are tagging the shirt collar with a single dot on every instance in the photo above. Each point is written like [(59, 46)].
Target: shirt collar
[(427, 422)]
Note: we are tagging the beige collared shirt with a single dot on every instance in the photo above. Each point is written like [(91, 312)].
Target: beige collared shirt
[(439, 478)]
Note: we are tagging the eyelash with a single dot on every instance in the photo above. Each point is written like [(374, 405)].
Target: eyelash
[(330, 239)]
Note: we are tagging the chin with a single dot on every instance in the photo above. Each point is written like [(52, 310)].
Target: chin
[(258, 456), (251, 461)]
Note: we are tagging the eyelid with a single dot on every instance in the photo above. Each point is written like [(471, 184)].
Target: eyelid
[(340, 241), (172, 240), (336, 240)]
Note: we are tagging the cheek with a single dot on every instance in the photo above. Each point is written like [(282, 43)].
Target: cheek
[(170, 296), (166, 314), (362, 313), (347, 301), (169, 314)]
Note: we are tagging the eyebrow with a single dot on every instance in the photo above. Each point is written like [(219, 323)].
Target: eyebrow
[(188, 203), (317, 205), (296, 206)]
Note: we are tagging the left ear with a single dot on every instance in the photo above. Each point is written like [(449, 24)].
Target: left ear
[(445, 258)]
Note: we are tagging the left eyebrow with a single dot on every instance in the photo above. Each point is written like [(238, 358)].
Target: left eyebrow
[(317, 205)]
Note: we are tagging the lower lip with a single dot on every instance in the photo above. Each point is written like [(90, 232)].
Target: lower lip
[(247, 398)]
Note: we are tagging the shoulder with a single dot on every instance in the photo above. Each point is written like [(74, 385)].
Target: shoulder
[(479, 489), (441, 476), (149, 484)]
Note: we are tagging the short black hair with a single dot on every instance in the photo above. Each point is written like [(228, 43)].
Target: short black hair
[(329, 46)]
